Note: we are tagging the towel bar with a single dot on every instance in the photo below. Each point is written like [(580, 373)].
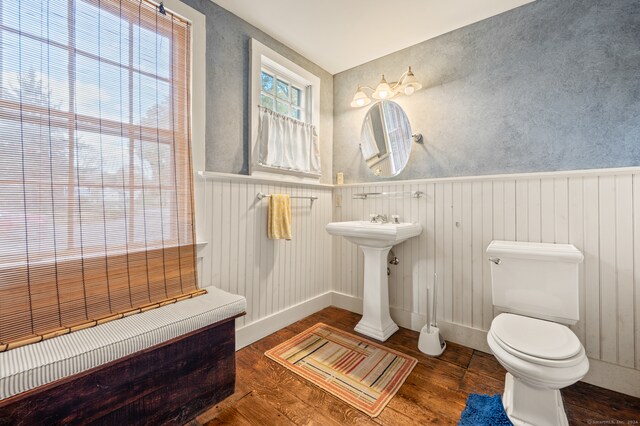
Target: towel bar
[(365, 195), (262, 195)]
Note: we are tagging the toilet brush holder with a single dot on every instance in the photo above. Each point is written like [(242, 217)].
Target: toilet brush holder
[(431, 341)]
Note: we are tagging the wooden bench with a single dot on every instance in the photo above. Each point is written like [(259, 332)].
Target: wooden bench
[(168, 381)]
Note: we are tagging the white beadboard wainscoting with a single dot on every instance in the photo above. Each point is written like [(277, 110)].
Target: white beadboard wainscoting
[(598, 211), (283, 281)]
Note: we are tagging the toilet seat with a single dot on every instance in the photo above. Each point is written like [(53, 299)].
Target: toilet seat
[(538, 372), (537, 341)]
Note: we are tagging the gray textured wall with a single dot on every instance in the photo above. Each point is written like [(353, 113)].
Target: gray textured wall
[(552, 85), (228, 70)]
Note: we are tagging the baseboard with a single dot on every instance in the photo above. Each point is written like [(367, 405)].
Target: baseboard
[(263, 327), (468, 336), (609, 376), (345, 301), (614, 377), (403, 318)]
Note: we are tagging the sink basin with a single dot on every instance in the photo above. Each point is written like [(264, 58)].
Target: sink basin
[(375, 240), (364, 233)]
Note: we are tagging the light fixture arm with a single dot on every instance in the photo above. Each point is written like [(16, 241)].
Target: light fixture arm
[(396, 84), (360, 87)]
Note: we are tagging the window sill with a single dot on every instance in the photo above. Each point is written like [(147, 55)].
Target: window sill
[(264, 178), (281, 170), (66, 259)]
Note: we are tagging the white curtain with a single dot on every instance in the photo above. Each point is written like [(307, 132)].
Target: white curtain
[(287, 143)]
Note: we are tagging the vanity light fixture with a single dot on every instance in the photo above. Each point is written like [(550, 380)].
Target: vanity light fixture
[(407, 84)]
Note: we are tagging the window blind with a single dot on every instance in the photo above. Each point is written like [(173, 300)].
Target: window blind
[(96, 203)]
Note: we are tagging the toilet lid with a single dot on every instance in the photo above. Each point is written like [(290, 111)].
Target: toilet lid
[(534, 337)]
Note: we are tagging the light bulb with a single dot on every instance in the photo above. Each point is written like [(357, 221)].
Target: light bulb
[(360, 99), (383, 90), (410, 84)]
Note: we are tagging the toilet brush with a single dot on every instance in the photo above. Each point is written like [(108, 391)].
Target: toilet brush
[(430, 341)]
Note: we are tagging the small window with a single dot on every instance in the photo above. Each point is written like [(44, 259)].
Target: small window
[(283, 95), (277, 84)]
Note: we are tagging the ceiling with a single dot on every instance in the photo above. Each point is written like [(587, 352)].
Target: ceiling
[(341, 34)]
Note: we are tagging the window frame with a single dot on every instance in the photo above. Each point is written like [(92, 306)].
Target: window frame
[(264, 57), (198, 114)]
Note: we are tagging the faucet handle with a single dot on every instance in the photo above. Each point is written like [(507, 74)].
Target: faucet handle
[(395, 218), (372, 217)]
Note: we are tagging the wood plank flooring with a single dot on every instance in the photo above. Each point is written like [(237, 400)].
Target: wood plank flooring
[(434, 393)]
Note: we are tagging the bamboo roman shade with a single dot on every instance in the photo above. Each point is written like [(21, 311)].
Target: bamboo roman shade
[(96, 203)]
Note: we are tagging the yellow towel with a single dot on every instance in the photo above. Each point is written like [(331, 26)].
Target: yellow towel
[(279, 219)]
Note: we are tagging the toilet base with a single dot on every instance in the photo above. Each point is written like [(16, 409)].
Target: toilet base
[(530, 406)]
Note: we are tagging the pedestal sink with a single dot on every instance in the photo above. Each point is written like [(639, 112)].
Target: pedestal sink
[(375, 240)]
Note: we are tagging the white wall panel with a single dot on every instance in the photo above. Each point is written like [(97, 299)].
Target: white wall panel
[(487, 236), (624, 270), (272, 274), (591, 251), (576, 237), (597, 211), (636, 264), (608, 295)]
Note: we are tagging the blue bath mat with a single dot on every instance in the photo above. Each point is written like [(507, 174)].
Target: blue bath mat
[(484, 410)]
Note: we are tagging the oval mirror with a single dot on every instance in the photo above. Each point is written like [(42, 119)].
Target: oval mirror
[(385, 139)]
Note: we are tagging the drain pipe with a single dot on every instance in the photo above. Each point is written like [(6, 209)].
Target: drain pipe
[(393, 260)]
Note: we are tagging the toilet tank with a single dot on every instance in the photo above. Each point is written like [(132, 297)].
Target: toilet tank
[(538, 280)]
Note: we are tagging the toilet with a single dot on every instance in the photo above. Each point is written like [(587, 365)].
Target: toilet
[(535, 287)]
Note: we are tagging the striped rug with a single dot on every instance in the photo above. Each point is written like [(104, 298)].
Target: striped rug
[(362, 373)]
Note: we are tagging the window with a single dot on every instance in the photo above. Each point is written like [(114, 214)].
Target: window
[(292, 92), (95, 187), (283, 96), (397, 132)]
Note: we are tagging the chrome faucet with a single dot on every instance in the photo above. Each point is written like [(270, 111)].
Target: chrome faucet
[(379, 218)]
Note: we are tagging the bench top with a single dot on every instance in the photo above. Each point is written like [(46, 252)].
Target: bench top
[(30, 366)]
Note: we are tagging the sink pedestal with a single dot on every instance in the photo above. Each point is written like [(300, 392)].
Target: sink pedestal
[(376, 321), (375, 240)]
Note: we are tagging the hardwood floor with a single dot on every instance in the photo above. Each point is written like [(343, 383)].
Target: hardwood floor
[(434, 393)]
